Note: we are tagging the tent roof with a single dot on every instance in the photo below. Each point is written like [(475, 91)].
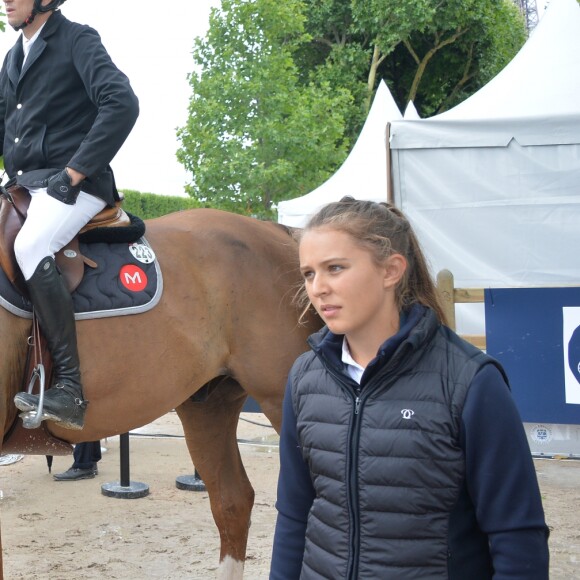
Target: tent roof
[(541, 79), (363, 173), (410, 111), (533, 100), (437, 132)]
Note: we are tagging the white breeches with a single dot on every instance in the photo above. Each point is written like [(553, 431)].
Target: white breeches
[(51, 225)]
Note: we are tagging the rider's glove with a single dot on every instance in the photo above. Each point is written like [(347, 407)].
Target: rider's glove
[(60, 187)]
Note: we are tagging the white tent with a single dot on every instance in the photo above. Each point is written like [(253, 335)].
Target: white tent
[(364, 172), (493, 185), (410, 111)]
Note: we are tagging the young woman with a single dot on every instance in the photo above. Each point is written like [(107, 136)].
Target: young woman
[(402, 454)]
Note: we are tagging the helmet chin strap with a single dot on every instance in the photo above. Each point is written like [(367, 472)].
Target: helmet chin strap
[(38, 8), (26, 22)]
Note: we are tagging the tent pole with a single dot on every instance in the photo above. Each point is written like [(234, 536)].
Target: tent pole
[(390, 197)]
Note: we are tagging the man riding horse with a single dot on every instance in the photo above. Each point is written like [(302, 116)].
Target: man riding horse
[(65, 111)]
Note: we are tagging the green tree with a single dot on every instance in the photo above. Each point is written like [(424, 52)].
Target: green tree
[(257, 133), (434, 53), (281, 89), (466, 44)]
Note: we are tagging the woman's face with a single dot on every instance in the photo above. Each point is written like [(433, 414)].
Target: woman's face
[(353, 295)]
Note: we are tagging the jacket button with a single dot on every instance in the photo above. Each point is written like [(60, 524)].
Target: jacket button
[(19, 172), (16, 140), (19, 106)]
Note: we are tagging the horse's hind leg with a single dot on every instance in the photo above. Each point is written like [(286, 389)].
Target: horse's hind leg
[(210, 427)]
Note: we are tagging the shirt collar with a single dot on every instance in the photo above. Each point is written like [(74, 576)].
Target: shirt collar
[(354, 370), (27, 43)]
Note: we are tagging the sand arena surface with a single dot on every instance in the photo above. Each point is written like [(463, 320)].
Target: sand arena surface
[(70, 530)]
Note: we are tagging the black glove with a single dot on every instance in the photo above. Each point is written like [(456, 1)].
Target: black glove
[(60, 187)]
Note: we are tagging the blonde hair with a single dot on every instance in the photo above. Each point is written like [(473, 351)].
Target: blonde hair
[(383, 230)]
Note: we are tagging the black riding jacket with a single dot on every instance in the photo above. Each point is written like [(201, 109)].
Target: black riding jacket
[(69, 105)]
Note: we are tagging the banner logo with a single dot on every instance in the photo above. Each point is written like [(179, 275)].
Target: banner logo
[(571, 345)]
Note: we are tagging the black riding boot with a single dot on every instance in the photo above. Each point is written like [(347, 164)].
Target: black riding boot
[(64, 402)]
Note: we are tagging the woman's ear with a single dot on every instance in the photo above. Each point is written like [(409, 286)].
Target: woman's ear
[(395, 267)]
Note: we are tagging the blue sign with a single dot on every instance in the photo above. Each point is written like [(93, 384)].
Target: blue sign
[(535, 334)]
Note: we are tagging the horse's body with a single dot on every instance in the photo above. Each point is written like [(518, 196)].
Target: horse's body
[(225, 312)]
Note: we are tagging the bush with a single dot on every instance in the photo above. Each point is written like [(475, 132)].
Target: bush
[(150, 205)]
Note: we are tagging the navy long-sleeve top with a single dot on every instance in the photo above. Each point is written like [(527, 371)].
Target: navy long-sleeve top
[(500, 482)]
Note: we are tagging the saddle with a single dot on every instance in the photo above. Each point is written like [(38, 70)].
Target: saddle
[(14, 203)]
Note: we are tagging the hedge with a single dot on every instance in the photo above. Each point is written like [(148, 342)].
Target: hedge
[(151, 205)]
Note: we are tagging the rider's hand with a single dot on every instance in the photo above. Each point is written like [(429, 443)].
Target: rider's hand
[(60, 187)]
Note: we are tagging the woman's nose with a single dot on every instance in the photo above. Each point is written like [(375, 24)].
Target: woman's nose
[(319, 286)]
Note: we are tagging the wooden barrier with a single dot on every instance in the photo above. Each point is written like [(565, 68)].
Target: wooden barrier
[(450, 296)]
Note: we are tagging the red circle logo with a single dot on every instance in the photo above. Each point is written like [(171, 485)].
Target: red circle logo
[(133, 278)]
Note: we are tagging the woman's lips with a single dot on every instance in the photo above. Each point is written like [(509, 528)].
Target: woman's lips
[(329, 310)]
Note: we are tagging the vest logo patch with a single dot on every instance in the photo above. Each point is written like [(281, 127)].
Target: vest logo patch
[(407, 413)]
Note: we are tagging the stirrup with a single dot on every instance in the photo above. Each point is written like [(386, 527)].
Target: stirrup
[(32, 420)]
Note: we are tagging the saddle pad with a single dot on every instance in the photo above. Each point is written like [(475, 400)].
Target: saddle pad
[(127, 280)]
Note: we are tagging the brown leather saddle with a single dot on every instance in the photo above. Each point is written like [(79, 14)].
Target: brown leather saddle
[(14, 203)]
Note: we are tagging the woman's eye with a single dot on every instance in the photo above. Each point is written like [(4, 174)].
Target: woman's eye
[(334, 268), (307, 274)]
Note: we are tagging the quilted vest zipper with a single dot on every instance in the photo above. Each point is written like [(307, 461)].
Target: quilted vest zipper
[(353, 390), (359, 397)]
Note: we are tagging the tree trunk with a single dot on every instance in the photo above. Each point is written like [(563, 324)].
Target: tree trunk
[(422, 63), (376, 60)]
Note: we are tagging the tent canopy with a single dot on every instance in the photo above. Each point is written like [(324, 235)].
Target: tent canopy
[(492, 186), (541, 79)]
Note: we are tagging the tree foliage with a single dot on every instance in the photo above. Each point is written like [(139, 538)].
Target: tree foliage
[(281, 89), (433, 53), (447, 64), (255, 133)]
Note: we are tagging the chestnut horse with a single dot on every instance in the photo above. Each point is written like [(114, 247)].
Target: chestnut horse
[(225, 319)]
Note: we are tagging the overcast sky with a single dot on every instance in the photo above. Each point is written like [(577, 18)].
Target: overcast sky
[(151, 42)]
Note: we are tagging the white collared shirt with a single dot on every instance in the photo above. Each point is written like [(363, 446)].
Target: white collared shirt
[(27, 43), (354, 370)]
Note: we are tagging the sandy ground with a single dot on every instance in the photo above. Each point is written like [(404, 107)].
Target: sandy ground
[(54, 530)]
